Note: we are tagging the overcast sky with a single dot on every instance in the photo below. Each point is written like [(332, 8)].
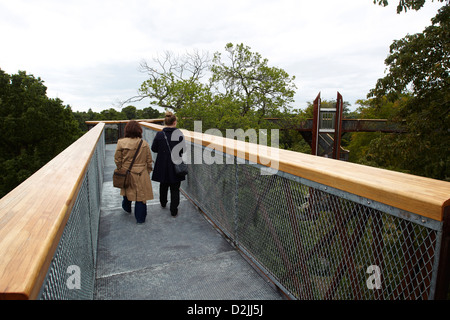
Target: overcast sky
[(88, 52)]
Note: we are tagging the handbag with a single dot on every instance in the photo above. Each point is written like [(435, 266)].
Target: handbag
[(121, 177), (181, 169)]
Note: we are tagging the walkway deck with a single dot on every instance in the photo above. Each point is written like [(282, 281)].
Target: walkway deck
[(168, 258)]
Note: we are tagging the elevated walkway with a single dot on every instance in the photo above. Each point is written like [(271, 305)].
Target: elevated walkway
[(168, 258), (352, 232)]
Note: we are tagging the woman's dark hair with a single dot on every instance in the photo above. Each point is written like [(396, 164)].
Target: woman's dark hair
[(170, 118), (133, 130)]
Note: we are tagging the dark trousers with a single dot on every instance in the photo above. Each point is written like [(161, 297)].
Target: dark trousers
[(140, 209), (174, 195)]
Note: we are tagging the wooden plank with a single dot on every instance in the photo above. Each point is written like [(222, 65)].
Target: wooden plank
[(424, 196), (33, 217)]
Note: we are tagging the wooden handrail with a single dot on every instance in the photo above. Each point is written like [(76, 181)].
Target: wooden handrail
[(33, 217), (94, 122), (423, 196)]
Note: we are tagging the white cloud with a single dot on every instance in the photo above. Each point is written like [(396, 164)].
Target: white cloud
[(88, 52)]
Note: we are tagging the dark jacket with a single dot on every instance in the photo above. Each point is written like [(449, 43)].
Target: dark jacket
[(164, 169)]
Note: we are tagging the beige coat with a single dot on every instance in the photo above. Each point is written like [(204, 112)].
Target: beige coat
[(141, 186)]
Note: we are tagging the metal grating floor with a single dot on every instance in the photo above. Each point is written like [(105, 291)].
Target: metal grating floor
[(182, 258)]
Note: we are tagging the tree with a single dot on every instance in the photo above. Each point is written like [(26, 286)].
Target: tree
[(361, 143), (247, 78), (421, 60), (127, 113), (148, 113), (239, 94), (175, 82), (404, 5), (109, 114), (419, 66), (34, 128), (130, 112)]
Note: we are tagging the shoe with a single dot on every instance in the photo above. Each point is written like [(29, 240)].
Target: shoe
[(125, 209), (139, 223), (174, 213), (163, 205)]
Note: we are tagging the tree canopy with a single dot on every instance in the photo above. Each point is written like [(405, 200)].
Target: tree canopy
[(247, 78), (418, 75), (405, 5), (34, 128), (127, 113), (241, 89)]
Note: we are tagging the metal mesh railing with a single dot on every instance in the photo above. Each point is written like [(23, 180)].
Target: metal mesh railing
[(72, 271), (314, 241), (320, 244)]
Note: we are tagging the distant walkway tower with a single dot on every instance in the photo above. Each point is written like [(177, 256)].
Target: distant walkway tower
[(327, 129)]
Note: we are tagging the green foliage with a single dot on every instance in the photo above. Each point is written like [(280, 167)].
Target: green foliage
[(405, 5), (175, 82), (419, 66), (252, 84), (360, 142), (34, 128), (127, 113), (421, 60), (240, 93), (148, 113)]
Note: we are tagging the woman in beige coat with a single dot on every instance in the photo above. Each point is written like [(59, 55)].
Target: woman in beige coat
[(140, 189)]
